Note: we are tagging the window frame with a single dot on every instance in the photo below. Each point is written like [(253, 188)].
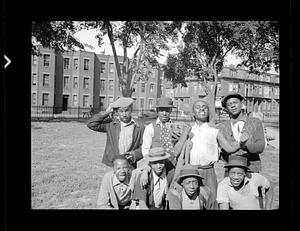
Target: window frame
[(84, 64), (44, 55), (46, 74)]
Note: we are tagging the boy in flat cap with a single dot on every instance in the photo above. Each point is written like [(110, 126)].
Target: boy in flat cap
[(124, 134), (193, 194), (153, 194), (242, 190), (248, 131)]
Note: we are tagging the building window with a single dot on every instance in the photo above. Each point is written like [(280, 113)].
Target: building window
[(233, 87), (66, 63), (111, 67), (46, 80), (151, 88), (45, 99), (86, 64), (259, 90), (33, 98), (142, 103), (76, 64), (102, 67), (110, 100), (85, 82), (150, 103), (266, 91), (75, 82), (75, 100), (46, 60), (111, 85), (269, 106), (34, 62), (102, 84), (142, 87), (34, 78), (66, 81), (85, 100)]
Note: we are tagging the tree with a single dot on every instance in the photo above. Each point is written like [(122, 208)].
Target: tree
[(148, 38), (206, 44), (57, 35)]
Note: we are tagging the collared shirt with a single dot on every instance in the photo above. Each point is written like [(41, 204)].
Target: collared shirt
[(125, 139), (149, 133), (122, 190), (244, 198), (160, 188), (205, 145), (188, 203)]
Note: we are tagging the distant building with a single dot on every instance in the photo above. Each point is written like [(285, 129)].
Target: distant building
[(261, 92), (65, 81)]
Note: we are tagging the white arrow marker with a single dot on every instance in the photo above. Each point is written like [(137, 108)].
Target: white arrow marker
[(8, 61)]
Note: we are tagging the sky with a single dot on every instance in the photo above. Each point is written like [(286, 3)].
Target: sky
[(88, 37)]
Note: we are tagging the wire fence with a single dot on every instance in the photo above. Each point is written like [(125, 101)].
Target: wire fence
[(46, 113)]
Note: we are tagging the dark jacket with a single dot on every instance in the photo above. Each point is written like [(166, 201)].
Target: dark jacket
[(146, 194), (206, 199), (103, 123), (254, 146)]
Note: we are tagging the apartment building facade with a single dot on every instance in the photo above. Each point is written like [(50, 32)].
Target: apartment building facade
[(80, 79), (260, 91)]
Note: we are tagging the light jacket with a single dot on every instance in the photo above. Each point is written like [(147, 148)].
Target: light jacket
[(107, 198)]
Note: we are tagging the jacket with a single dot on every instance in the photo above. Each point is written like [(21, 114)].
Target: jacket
[(146, 193), (206, 199), (102, 123), (254, 145)]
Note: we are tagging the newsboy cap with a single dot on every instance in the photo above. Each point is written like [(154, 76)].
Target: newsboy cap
[(122, 102), (157, 153), (188, 170), (164, 102), (231, 95)]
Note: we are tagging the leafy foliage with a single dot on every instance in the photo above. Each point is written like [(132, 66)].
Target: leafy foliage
[(57, 35), (148, 38), (206, 44)]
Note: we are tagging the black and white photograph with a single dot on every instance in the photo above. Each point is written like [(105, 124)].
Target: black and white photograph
[(155, 115)]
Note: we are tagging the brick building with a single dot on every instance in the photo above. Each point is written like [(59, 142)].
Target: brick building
[(261, 91), (65, 81)]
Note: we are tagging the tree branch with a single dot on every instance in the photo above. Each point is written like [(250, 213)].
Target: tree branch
[(111, 39)]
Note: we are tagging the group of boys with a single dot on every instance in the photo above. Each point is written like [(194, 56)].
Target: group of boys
[(164, 166)]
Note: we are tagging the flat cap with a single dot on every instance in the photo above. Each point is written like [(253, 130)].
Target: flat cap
[(122, 102)]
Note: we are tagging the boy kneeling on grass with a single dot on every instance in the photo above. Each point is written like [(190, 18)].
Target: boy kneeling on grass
[(242, 190), (115, 190)]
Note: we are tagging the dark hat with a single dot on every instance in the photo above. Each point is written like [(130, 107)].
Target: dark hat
[(122, 102), (237, 161), (188, 170), (231, 95), (164, 102), (157, 153)]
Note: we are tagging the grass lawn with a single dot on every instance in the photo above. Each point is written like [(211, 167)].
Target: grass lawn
[(66, 168)]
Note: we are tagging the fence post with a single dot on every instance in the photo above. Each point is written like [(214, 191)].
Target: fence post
[(78, 113)]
